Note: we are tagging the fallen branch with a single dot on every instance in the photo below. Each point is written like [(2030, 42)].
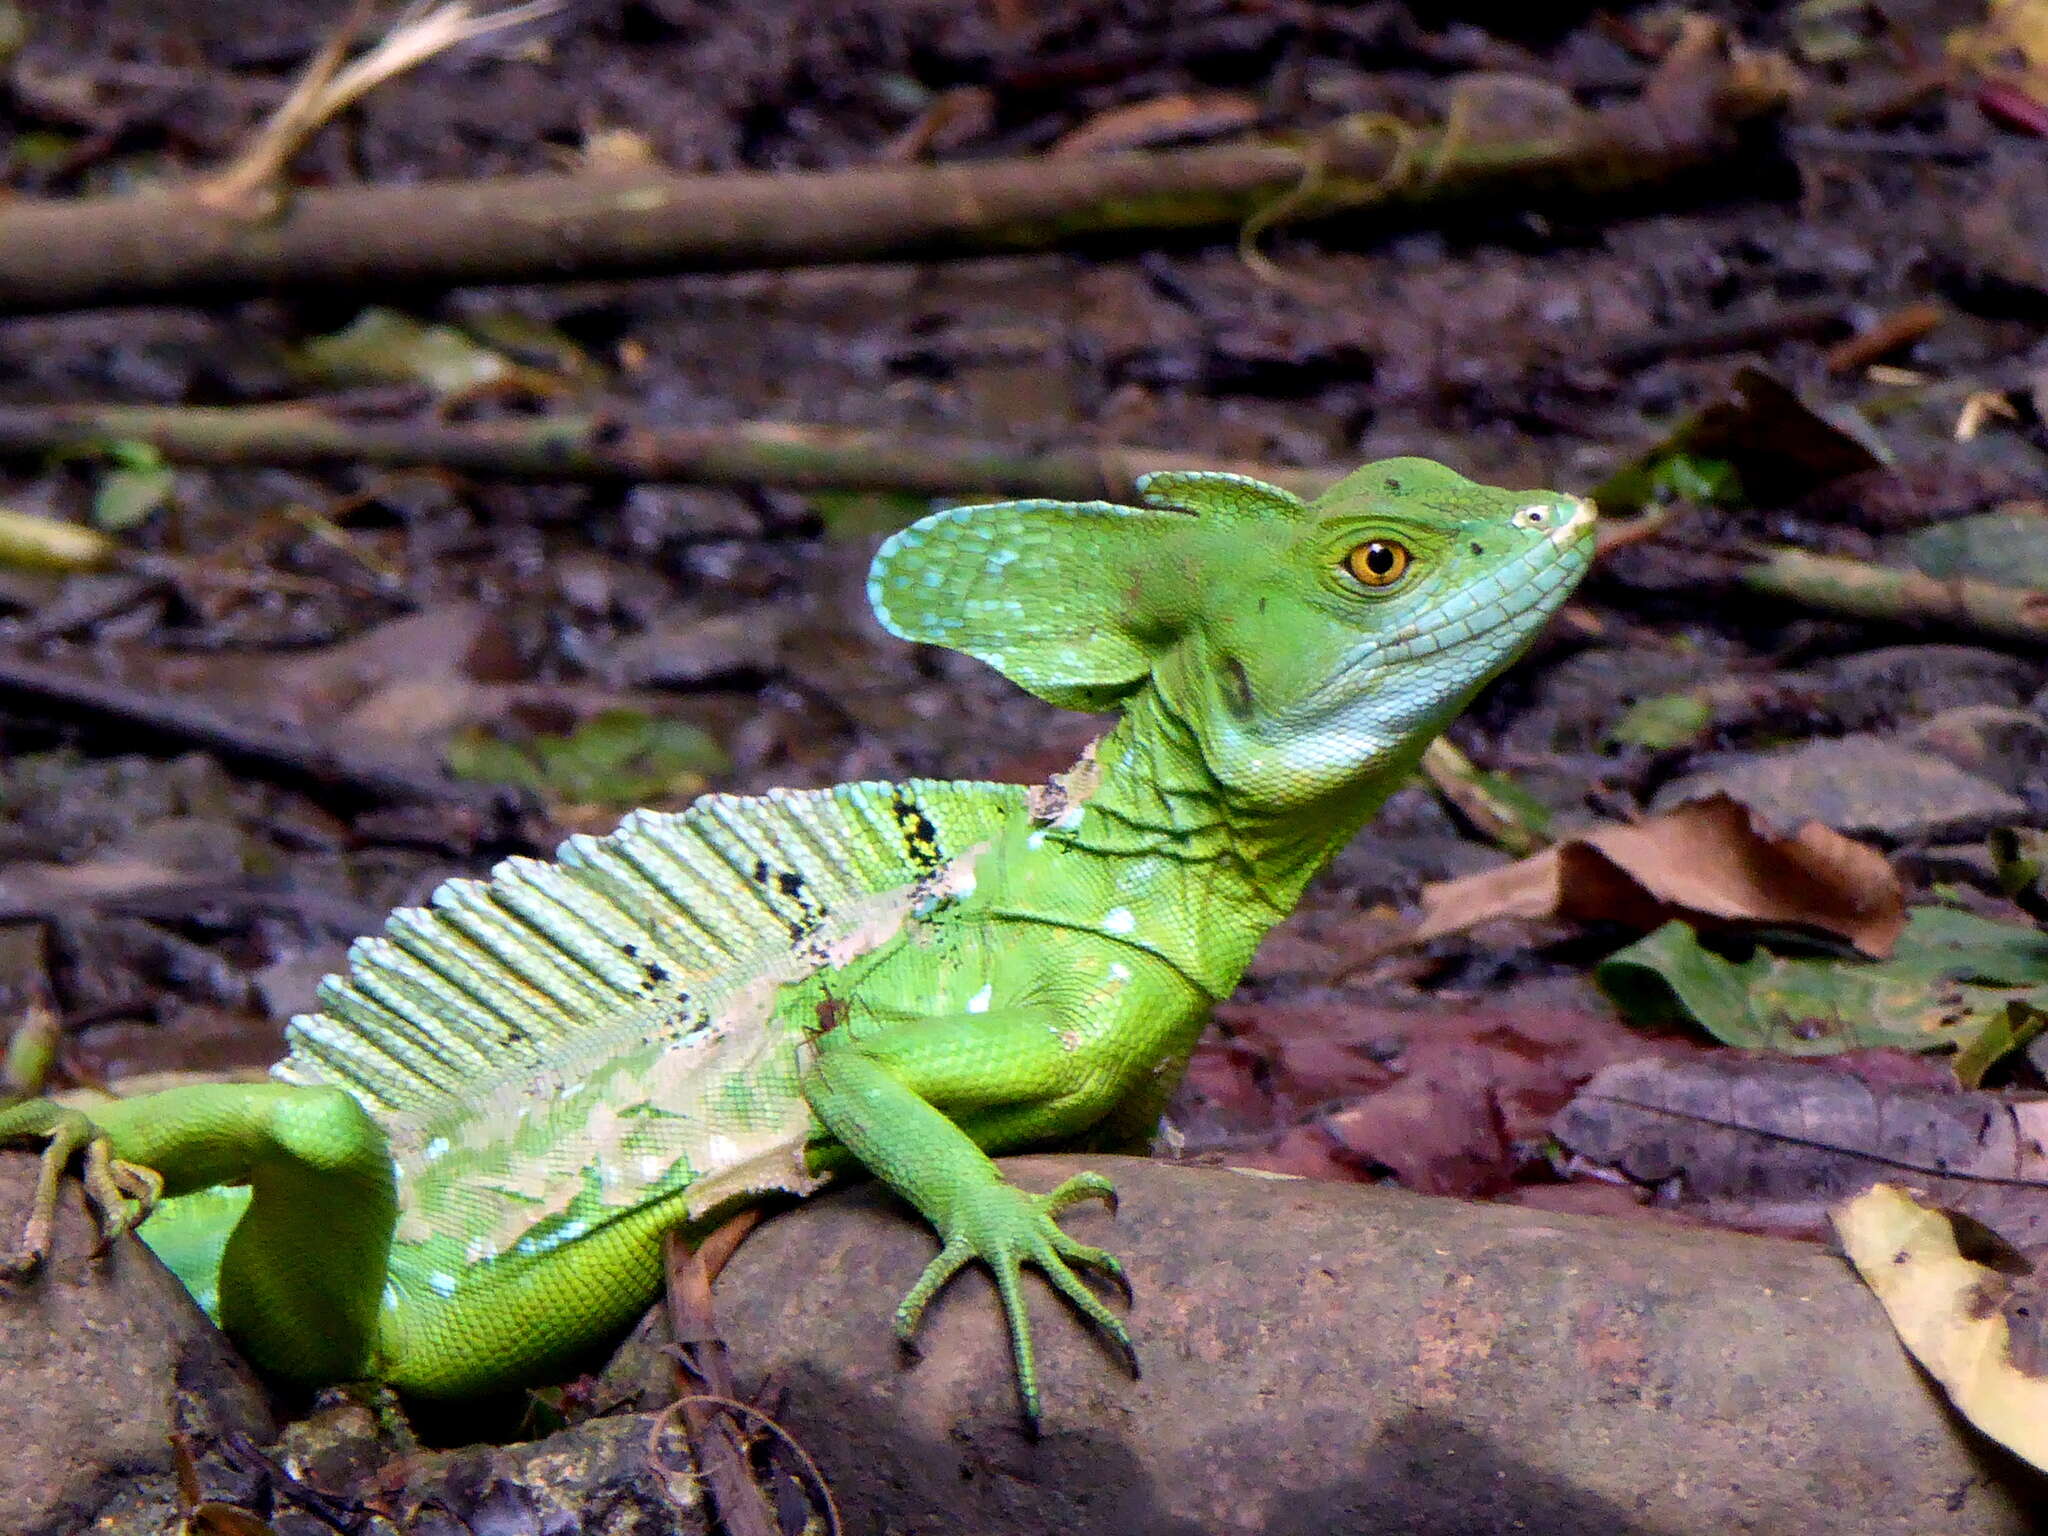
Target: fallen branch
[(179, 244), (1859, 590), (601, 447), (146, 717)]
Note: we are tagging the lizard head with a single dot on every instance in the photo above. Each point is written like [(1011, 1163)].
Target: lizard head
[(1304, 645)]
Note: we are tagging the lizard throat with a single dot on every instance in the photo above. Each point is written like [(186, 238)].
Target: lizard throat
[(1177, 844)]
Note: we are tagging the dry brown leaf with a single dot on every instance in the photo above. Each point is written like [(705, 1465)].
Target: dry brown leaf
[(1705, 861), (1975, 1327), (1448, 1097), (1170, 119), (1767, 1144)]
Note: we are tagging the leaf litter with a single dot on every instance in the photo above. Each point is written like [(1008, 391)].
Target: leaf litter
[(1706, 862), (1974, 1320)]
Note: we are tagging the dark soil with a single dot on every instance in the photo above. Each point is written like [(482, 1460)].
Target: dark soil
[(178, 904)]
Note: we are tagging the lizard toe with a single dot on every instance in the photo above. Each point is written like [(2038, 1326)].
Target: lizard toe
[(109, 1182), (953, 1258), (1082, 1187)]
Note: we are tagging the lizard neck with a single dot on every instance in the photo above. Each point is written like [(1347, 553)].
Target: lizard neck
[(1204, 872)]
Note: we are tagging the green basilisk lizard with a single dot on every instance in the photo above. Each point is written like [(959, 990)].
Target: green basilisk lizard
[(460, 1177)]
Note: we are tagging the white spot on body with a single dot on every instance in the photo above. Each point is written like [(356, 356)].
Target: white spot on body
[(435, 1150), (1118, 971), (441, 1283), (1140, 875), (1118, 920), (1070, 818), (980, 1001), (1036, 839), (568, 1232), (650, 1167), (481, 1250), (722, 1150), (390, 1297)]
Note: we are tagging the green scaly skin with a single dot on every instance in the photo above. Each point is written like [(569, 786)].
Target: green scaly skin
[(457, 1223)]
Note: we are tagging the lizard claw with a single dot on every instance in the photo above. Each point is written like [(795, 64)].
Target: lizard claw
[(110, 1183), (1008, 1228)]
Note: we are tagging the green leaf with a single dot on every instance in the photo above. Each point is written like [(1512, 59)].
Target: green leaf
[(128, 497), (39, 149), (1758, 443), (1950, 982), (383, 346), (867, 514), (2011, 1031), (2020, 857), (620, 758), (133, 453), (1669, 720)]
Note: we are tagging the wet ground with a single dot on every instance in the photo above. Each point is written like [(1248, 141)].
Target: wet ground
[(599, 646)]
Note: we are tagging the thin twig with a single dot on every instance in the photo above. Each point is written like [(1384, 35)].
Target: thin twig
[(706, 1376), (290, 124), (1859, 590), (331, 85)]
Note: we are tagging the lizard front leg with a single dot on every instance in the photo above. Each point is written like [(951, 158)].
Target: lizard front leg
[(1014, 1080)]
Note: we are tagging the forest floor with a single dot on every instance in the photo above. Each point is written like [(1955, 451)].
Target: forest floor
[(1829, 338)]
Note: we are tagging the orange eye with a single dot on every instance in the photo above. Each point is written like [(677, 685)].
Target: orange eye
[(1378, 564)]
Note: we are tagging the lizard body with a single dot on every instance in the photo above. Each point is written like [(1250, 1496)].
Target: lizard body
[(460, 1178)]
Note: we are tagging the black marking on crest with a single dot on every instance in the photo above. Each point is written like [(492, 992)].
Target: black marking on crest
[(792, 887), (1478, 548), (920, 837), (684, 1018)]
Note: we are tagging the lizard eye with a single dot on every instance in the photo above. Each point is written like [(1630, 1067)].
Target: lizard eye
[(1380, 563)]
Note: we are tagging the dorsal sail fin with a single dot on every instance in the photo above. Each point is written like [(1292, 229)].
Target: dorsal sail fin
[(631, 935)]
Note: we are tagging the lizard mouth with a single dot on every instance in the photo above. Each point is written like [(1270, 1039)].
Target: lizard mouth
[(1534, 582)]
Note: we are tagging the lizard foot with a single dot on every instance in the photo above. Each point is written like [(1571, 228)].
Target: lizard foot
[(110, 1183), (1007, 1228)]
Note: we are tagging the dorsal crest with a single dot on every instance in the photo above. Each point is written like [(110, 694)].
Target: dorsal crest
[(633, 935)]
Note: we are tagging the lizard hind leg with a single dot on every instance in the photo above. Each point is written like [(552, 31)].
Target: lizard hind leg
[(110, 1182), (301, 1271)]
